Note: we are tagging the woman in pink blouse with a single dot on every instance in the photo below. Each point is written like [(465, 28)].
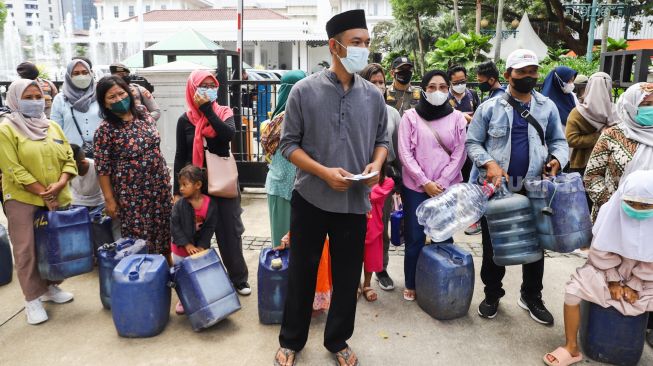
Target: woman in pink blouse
[(619, 268), (432, 152)]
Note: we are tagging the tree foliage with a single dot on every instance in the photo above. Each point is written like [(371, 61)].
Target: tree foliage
[(3, 15), (617, 44), (459, 49)]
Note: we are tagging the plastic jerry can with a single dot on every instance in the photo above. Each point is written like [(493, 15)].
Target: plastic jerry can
[(101, 227), (6, 263), (272, 284), (63, 243), (204, 289), (109, 255), (608, 336), (140, 295), (444, 281)]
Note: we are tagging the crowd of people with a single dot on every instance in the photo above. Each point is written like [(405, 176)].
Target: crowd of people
[(343, 145)]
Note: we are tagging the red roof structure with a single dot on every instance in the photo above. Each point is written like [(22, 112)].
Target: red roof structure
[(197, 15)]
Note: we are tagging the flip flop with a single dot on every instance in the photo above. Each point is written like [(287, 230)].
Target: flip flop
[(408, 297), (345, 356), (563, 357), (371, 297), (286, 352)]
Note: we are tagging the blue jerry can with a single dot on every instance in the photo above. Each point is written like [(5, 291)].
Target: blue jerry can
[(272, 284), (561, 212), (204, 289), (6, 264), (109, 255), (140, 295), (101, 227), (512, 228), (63, 243), (444, 281), (608, 336)]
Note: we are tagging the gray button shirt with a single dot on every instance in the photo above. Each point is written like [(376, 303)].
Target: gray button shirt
[(337, 129)]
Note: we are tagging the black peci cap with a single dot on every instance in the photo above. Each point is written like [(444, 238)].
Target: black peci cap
[(352, 19)]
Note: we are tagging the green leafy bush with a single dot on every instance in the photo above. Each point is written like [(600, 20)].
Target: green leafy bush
[(459, 49)]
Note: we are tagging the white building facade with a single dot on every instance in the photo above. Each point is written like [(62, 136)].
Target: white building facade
[(31, 15)]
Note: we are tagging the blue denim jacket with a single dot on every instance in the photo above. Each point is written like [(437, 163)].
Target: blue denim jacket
[(488, 136)]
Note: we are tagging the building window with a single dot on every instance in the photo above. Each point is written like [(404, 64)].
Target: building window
[(131, 10), (10, 6), (50, 8), (28, 15), (375, 8), (116, 12), (49, 2), (29, 23), (51, 26), (51, 19), (163, 7), (148, 8)]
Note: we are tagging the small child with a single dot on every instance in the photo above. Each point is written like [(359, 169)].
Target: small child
[(85, 187), (194, 218), (619, 267), (373, 257)]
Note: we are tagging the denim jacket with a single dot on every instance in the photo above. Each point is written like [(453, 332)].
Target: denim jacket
[(489, 133)]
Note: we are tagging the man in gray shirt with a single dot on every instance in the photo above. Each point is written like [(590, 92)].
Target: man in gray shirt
[(335, 127)]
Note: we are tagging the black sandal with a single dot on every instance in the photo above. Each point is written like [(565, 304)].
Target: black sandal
[(286, 352), (345, 356)]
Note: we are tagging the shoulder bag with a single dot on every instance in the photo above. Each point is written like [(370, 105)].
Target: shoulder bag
[(222, 174)]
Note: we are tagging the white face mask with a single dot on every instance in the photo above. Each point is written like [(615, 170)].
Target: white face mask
[(568, 88), (31, 108), (82, 81), (356, 59), (436, 98), (460, 88)]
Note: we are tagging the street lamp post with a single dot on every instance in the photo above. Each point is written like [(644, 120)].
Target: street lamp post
[(593, 12)]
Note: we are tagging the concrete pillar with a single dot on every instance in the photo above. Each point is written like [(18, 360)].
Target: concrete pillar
[(303, 58), (295, 55), (257, 54)]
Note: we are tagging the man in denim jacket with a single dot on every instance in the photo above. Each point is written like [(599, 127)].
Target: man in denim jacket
[(501, 143)]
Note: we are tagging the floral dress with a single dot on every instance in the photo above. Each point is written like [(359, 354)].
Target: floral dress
[(131, 156)]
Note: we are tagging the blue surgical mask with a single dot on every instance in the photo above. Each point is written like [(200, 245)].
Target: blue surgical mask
[(356, 59), (211, 93), (635, 213), (31, 108), (644, 116)]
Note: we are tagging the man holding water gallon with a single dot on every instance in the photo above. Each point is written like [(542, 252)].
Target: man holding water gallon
[(516, 137)]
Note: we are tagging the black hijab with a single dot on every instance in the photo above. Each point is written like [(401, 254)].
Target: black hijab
[(425, 109)]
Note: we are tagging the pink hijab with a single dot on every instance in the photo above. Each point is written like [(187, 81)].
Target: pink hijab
[(202, 126), (34, 129)]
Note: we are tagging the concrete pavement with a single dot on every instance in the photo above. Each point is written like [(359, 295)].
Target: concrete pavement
[(390, 331)]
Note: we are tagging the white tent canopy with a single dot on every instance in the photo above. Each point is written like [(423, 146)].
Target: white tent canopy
[(525, 38)]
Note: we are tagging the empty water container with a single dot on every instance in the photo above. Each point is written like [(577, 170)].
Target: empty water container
[(101, 226), (6, 264), (608, 336), (444, 281), (561, 212), (272, 285), (140, 295), (109, 255), (204, 289), (512, 228), (63, 243)]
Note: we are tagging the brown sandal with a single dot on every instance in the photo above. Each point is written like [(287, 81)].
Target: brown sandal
[(287, 353), (370, 294), (346, 355)]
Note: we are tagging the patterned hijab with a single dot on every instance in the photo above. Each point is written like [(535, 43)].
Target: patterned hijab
[(80, 99), (33, 128)]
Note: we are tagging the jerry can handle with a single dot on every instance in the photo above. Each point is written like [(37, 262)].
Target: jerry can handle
[(134, 275), (454, 257)]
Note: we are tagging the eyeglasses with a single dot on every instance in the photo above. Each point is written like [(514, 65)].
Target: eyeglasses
[(460, 82)]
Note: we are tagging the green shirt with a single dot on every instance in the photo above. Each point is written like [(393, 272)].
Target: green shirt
[(23, 162)]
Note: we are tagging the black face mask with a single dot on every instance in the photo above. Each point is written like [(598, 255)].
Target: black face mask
[(485, 86), (403, 77), (525, 84)]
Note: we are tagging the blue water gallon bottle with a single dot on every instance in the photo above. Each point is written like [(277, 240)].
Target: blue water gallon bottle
[(63, 243), (140, 295), (444, 281), (6, 263), (109, 255), (561, 212), (608, 336), (272, 284), (204, 289)]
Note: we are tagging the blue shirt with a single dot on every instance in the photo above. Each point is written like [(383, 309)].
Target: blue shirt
[(501, 90), (519, 152), (466, 104)]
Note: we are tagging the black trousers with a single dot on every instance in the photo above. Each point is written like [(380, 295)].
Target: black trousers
[(492, 274), (309, 227)]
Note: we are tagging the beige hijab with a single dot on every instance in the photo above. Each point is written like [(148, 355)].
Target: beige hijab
[(597, 107), (33, 128)]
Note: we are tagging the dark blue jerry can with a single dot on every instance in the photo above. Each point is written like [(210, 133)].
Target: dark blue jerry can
[(140, 295), (109, 255), (6, 264), (561, 212), (444, 281), (204, 289), (63, 243), (608, 336), (272, 284), (512, 228), (101, 227)]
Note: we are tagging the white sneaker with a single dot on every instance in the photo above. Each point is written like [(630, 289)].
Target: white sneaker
[(57, 295), (35, 312)]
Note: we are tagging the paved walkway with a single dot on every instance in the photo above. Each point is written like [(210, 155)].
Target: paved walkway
[(388, 332)]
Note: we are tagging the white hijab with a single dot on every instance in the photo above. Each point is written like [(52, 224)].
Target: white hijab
[(597, 107), (615, 231), (627, 110), (34, 129)]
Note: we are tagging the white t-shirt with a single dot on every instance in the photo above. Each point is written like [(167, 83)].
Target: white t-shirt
[(86, 189)]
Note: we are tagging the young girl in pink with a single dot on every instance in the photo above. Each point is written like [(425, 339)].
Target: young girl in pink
[(373, 257)]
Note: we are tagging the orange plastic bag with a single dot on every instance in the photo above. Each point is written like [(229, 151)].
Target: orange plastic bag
[(324, 285)]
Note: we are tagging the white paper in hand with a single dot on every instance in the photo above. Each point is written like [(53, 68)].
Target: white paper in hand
[(358, 177)]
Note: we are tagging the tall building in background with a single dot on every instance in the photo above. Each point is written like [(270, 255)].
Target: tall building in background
[(33, 15), (82, 11)]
